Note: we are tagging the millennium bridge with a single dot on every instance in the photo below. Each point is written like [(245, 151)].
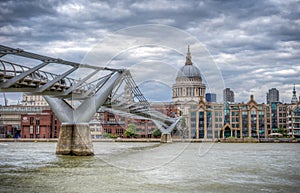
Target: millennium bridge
[(76, 100)]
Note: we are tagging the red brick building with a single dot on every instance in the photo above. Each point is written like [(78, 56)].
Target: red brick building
[(112, 124), (7, 131), (117, 125), (40, 125)]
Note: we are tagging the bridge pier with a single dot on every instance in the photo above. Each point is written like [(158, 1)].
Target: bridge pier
[(166, 138), (75, 139)]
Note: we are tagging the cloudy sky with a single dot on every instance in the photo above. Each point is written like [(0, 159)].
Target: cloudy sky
[(251, 45)]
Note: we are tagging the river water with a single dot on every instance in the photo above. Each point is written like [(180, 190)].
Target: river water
[(152, 167)]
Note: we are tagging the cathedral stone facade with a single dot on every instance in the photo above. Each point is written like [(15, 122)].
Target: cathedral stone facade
[(188, 87)]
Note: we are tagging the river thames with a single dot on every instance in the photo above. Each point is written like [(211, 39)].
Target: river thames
[(152, 167)]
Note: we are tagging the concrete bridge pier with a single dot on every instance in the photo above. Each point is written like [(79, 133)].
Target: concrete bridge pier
[(75, 139), (75, 134), (166, 138)]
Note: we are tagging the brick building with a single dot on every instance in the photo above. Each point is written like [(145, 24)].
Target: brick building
[(10, 118), (117, 125), (7, 131), (40, 125)]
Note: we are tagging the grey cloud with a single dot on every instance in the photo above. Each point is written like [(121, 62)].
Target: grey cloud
[(251, 41), (18, 10)]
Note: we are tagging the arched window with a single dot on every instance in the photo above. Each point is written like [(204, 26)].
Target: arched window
[(297, 111)]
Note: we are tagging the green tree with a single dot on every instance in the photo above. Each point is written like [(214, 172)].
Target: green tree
[(106, 135), (113, 136), (183, 122), (156, 133), (9, 135), (282, 131), (131, 131)]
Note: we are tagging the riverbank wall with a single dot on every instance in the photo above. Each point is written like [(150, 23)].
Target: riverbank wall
[(245, 140)]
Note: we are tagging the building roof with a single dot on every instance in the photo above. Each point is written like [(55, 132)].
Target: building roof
[(189, 71)]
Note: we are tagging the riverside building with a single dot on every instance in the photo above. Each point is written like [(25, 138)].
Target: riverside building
[(210, 120), (33, 100), (40, 125), (10, 118), (213, 121)]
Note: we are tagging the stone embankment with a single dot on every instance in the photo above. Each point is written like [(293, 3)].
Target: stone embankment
[(157, 140)]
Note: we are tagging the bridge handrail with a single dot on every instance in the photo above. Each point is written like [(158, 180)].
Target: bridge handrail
[(42, 75)]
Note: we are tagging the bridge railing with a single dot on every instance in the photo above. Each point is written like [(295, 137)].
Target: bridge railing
[(9, 70), (19, 78)]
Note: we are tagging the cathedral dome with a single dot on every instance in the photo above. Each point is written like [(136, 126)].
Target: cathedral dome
[(188, 70), (188, 85)]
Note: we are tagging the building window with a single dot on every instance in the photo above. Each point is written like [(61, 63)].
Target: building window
[(31, 120), (37, 129), (31, 129), (107, 130), (201, 125), (38, 121), (119, 131), (193, 123), (297, 112)]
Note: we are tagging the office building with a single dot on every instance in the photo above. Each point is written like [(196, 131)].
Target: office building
[(211, 97), (228, 96), (272, 96)]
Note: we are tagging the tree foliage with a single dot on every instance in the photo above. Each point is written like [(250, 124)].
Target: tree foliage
[(131, 131), (183, 122), (281, 130), (156, 133)]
